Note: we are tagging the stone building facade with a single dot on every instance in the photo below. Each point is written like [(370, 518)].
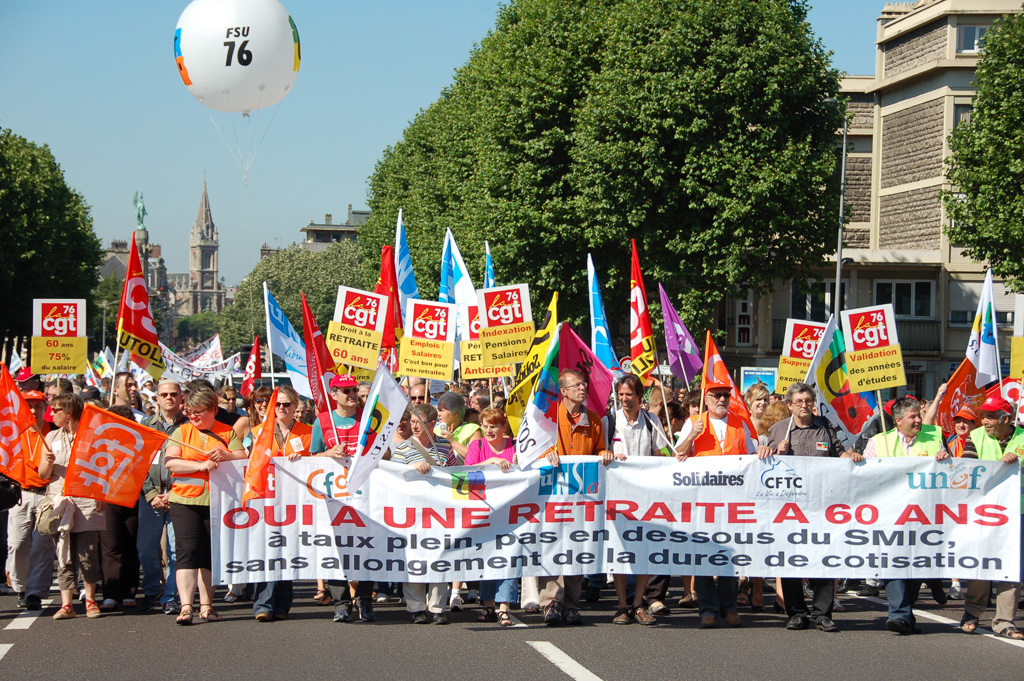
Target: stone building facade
[(895, 250)]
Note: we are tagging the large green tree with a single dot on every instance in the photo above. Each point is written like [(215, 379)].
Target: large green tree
[(694, 126), (289, 273), (49, 249), (987, 165)]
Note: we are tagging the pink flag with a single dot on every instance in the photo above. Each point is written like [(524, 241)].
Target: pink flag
[(573, 353)]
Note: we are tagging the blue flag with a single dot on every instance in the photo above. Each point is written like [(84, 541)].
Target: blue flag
[(286, 344), (600, 338), (403, 265), (489, 270), (456, 286)]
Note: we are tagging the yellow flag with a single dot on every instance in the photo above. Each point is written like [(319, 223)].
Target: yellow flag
[(515, 406)]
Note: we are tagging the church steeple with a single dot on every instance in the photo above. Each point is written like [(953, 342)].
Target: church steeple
[(203, 229), (203, 243)]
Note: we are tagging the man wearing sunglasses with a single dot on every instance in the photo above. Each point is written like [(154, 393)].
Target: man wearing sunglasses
[(716, 432)]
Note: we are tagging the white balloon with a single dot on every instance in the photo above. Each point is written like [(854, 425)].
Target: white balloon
[(237, 55)]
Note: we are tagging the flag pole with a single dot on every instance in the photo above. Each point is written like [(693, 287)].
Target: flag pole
[(270, 347), (329, 411), (881, 416), (664, 399), (117, 346)]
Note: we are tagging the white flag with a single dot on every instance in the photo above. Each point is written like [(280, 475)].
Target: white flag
[(981, 348), (384, 408), (287, 344)]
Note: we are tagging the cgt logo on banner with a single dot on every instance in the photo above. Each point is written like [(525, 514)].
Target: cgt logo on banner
[(893, 518)]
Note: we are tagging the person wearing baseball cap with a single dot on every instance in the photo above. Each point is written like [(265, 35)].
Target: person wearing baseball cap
[(27, 379), (717, 432), (997, 440), (964, 422)]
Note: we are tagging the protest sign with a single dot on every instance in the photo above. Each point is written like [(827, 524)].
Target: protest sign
[(59, 345), (355, 335), (471, 364), (752, 375), (428, 348), (1017, 357), (506, 324), (798, 348), (896, 518), (873, 356)]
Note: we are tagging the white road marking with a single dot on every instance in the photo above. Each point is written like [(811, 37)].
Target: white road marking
[(569, 666), (920, 614), (4, 647), (25, 619), (518, 623)]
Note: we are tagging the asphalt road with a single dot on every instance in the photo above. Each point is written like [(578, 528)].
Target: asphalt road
[(132, 645)]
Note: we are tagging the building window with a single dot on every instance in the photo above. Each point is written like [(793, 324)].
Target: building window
[(963, 302), (970, 38), (962, 114), (207, 261), (817, 305), (908, 298)]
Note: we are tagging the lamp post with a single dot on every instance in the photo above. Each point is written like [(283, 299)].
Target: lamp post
[(836, 304)]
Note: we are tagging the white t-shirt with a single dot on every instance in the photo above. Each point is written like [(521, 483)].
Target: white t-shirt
[(720, 429), (634, 439)]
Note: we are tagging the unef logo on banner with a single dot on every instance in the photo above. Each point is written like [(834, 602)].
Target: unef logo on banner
[(873, 357), (469, 486), (432, 321)]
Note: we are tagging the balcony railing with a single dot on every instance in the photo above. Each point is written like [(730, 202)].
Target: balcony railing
[(918, 335)]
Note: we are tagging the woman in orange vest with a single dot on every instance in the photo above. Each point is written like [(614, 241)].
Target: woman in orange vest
[(205, 442), (292, 438)]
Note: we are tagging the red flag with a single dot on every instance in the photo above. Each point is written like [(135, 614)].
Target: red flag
[(641, 334), (136, 331), (317, 362), (110, 458), (387, 285), (253, 369), (15, 418), (257, 472), (715, 370), (961, 391)]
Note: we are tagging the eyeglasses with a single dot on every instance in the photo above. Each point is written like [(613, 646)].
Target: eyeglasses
[(194, 412), (720, 396), (417, 398), (285, 405), (576, 385), (167, 395), (261, 400), (803, 403), (56, 410), (346, 391)]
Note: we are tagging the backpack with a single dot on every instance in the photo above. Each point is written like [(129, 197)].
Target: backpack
[(10, 493), (613, 417)]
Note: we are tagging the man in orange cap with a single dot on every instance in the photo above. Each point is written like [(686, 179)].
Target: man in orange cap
[(716, 433), (30, 555), (997, 440), (964, 423)]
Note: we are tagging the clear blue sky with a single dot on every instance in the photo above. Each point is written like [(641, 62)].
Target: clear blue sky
[(97, 82)]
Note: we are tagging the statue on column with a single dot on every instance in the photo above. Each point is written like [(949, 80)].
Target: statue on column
[(140, 209)]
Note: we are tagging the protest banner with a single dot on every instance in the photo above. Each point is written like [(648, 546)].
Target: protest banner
[(428, 348), (893, 518), (874, 360), (183, 369), (798, 348), (355, 335), (506, 324), (526, 377), (110, 458), (385, 405), (1017, 357), (59, 343), (471, 364), (207, 352)]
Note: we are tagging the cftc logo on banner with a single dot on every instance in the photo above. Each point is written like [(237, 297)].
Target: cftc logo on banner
[(569, 479), (469, 485)]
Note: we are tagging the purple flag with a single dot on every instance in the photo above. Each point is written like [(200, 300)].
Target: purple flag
[(573, 353), (683, 356)]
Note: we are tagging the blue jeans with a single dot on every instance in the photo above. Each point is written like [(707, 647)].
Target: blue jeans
[(273, 598), (151, 526), (716, 598), (499, 591), (902, 594)]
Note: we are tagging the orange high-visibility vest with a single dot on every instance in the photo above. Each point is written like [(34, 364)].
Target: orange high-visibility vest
[(32, 446), (707, 443), (193, 485), (299, 431)]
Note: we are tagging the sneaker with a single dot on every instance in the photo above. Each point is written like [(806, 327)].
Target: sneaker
[(455, 603), (552, 615), (837, 606), (733, 619), (128, 603), (366, 612), (808, 592), (343, 613), (827, 625), (264, 616), (170, 608), (419, 617), (33, 603), (22, 600), (955, 593), (440, 618), (572, 617), (797, 623), (382, 598), (659, 608), (868, 591)]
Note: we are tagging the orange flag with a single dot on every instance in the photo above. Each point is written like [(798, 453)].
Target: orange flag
[(960, 392), (714, 369), (641, 334), (15, 419), (136, 331), (257, 472), (110, 457)]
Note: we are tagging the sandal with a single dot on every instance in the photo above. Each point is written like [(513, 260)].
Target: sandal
[(206, 612), (741, 599), (321, 597), (92, 611), (1012, 633), (488, 615), (504, 619), (66, 612), (185, 615), (969, 623)]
